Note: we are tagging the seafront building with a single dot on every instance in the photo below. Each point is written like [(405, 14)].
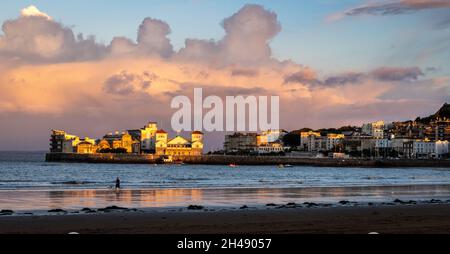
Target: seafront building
[(114, 141), (179, 145), (240, 142), (307, 140), (375, 129), (146, 136), (266, 142), (147, 140), (334, 140), (429, 149), (441, 129), (270, 148), (311, 141), (62, 142)]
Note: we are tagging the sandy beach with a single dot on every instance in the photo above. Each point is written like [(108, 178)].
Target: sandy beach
[(384, 219), (382, 209), (39, 197)]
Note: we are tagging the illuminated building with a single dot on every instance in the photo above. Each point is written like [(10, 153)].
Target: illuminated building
[(179, 145)]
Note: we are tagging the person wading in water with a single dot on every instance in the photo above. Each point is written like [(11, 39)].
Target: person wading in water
[(117, 184)]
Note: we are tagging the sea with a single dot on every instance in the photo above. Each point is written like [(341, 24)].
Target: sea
[(28, 182)]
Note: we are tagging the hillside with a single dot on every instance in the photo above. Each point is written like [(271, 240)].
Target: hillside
[(442, 113)]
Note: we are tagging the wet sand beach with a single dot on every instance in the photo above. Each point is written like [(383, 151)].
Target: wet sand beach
[(384, 219), (40, 201), (364, 209)]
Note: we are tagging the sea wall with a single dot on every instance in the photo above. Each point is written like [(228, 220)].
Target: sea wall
[(103, 158), (243, 160)]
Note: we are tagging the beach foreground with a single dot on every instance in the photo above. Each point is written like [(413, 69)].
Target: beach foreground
[(384, 219)]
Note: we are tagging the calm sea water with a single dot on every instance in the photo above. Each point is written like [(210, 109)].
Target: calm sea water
[(29, 171)]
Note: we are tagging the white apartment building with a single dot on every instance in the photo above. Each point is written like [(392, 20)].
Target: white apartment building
[(398, 144), (375, 129), (148, 137), (383, 143), (273, 135), (316, 143), (430, 149), (306, 139), (333, 140), (270, 136), (273, 147), (442, 147)]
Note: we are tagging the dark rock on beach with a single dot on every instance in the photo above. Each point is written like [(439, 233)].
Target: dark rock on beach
[(112, 208), (195, 207), (310, 204), (410, 202), (243, 207), (87, 210), (346, 202), (6, 212), (271, 204), (434, 201), (289, 205), (57, 211)]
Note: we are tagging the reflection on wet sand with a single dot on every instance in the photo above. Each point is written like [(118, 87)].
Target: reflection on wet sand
[(154, 198), (128, 198)]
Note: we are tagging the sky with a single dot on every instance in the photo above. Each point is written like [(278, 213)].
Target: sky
[(92, 67)]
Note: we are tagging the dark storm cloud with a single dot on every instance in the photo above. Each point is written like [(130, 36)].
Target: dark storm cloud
[(344, 78), (397, 7), (301, 77), (126, 83), (244, 72), (382, 74), (397, 73)]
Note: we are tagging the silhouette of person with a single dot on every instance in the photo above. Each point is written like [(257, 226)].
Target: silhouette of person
[(117, 183)]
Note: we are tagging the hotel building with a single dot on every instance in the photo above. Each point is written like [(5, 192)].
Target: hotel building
[(179, 146)]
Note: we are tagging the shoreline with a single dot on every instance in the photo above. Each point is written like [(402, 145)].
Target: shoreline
[(139, 188), (244, 160), (384, 219)]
